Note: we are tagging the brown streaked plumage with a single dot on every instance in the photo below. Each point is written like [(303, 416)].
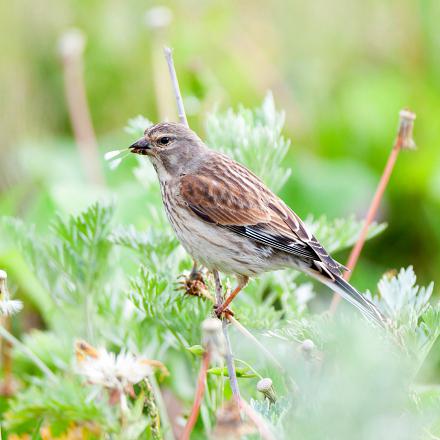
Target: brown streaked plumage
[(229, 221)]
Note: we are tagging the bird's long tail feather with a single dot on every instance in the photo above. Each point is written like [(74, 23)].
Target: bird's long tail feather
[(348, 292)]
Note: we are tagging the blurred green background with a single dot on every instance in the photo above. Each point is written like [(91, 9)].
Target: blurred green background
[(340, 69)]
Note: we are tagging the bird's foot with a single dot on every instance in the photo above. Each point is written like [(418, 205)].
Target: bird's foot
[(193, 284), (222, 309)]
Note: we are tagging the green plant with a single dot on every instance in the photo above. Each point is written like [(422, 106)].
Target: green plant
[(114, 285)]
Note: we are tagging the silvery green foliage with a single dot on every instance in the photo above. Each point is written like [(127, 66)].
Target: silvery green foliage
[(355, 385), (340, 233), (401, 298), (252, 137), (414, 319), (137, 125), (273, 413)]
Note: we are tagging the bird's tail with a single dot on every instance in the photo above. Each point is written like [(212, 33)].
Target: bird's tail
[(348, 292)]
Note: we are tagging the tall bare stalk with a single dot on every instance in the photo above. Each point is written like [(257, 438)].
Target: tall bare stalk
[(71, 47), (404, 140), (158, 19)]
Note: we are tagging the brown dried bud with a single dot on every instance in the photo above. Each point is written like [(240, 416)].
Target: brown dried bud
[(405, 134), (265, 387), (213, 339)]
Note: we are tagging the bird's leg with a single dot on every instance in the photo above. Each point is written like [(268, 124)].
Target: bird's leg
[(195, 273), (223, 307), (218, 288)]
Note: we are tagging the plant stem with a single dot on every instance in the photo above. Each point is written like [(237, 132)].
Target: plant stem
[(249, 335), (72, 45), (88, 304), (6, 357), (164, 96), (230, 364), (201, 383), (180, 108), (402, 141), (250, 368), (25, 350), (167, 429), (229, 358), (151, 408)]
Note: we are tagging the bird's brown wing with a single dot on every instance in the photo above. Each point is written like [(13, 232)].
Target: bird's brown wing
[(258, 215)]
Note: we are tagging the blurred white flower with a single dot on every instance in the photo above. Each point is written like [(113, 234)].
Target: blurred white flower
[(158, 17), (71, 43), (107, 369), (213, 339), (8, 306)]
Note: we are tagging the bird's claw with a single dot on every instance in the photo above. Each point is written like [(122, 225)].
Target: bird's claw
[(192, 284), (219, 310)]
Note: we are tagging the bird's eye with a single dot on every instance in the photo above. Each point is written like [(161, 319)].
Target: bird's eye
[(164, 140)]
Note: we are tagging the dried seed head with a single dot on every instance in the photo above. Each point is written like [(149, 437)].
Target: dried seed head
[(265, 387), (307, 346), (71, 43), (8, 306), (83, 350), (406, 126), (158, 17), (113, 371), (212, 338)]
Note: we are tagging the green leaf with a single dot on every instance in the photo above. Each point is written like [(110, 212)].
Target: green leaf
[(196, 349)]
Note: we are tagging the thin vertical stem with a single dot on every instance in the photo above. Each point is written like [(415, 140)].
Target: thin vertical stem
[(167, 429), (6, 358), (180, 108), (158, 20), (242, 329), (403, 140), (229, 357), (200, 390), (152, 411), (88, 317), (72, 46)]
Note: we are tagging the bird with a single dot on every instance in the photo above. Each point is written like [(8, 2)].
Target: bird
[(229, 221)]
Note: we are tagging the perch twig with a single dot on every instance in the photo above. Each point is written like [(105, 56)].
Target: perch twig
[(180, 108), (228, 355), (404, 140)]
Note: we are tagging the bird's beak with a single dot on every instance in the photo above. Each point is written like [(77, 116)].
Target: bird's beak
[(141, 146)]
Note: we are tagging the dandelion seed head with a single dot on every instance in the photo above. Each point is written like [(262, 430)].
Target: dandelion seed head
[(10, 307), (71, 43), (264, 384), (158, 17), (112, 154), (107, 369), (265, 387), (213, 339)]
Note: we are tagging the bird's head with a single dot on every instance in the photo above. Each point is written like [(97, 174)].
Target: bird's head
[(172, 147)]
